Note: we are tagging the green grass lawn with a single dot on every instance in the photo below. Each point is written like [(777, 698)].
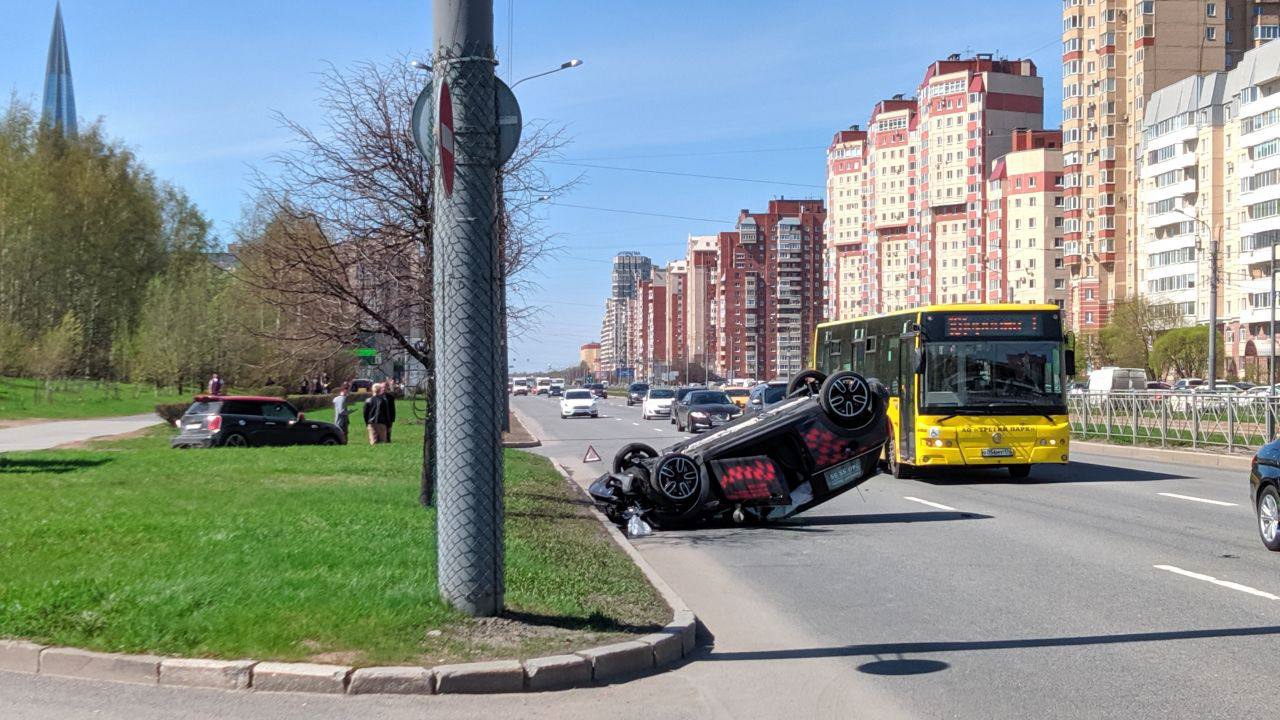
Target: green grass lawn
[(22, 398), (292, 554)]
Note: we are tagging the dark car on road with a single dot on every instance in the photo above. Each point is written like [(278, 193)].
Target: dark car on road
[(703, 410), (766, 395), (1264, 491), (636, 393), (818, 443), (250, 421), (598, 390), (681, 394)]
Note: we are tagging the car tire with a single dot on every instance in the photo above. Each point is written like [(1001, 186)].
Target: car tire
[(848, 399), (805, 382), (1019, 472), (330, 440), (678, 482), (235, 440), (630, 455), (1268, 511)]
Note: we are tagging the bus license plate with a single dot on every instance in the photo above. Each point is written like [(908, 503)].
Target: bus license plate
[(997, 452)]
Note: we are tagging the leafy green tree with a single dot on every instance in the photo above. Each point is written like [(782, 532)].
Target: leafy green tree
[(14, 348), (1130, 336), (57, 353), (1183, 352)]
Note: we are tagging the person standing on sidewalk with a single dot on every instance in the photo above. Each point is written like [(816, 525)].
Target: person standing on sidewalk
[(375, 416), (341, 411)]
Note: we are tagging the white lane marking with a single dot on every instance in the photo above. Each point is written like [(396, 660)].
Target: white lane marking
[(940, 506), (1216, 581), (636, 424), (1198, 499), (657, 429)]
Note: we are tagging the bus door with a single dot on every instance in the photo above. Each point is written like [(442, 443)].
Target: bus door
[(907, 397)]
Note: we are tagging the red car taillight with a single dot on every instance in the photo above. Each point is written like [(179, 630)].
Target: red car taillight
[(215, 423)]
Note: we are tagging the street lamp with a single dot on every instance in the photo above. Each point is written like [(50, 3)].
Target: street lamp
[(575, 62), (419, 65)]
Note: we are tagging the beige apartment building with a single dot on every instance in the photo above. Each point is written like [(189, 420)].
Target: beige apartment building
[(851, 290), (1115, 54), (1024, 220)]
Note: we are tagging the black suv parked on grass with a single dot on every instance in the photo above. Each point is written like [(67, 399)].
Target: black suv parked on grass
[(245, 421)]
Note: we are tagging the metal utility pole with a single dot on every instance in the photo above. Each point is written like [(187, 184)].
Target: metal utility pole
[(1271, 365), (1213, 310), (468, 300)]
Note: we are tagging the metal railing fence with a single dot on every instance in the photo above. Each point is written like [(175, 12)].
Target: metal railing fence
[(1167, 418)]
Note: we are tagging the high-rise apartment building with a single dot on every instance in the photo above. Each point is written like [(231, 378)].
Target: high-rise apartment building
[(907, 198), (1024, 220), (852, 290), (769, 289), (700, 328), (617, 341), (1115, 54)]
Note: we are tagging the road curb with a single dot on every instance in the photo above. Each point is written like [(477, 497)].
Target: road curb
[(606, 664), (1220, 460)]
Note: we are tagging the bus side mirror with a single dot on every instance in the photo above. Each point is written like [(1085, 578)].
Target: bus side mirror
[(917, 357), (1071, 363)]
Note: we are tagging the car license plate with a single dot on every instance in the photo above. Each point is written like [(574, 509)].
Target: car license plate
[(997, 452), (841, 475), (193, 426)]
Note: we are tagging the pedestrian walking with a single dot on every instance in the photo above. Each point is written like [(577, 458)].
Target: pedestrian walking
[(215, 385), (389, 397), (375, 416), (305, 386), (342, 411)]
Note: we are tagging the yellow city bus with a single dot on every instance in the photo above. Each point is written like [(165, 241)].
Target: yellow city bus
[(969, 385)]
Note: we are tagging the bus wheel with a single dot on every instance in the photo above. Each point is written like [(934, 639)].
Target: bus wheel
[(895, 468), (1019, 472)]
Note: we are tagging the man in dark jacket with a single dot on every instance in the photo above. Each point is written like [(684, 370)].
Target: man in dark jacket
[(375, 416), (389, 397)]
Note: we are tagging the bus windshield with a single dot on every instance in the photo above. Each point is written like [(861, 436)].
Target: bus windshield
[(990, 375)]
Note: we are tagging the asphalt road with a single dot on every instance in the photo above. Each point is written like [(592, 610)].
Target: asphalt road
[(1082, 593), (1105, 588), (45, 435)]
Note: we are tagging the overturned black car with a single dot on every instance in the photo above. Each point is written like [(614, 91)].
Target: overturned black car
[(824, 439)]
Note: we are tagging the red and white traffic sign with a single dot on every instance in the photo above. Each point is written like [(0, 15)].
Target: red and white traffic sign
[(444, 136)]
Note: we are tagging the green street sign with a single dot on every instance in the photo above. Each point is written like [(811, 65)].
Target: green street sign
[(366, 352)]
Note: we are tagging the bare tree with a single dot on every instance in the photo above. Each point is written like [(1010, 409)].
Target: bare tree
[(341, 235)]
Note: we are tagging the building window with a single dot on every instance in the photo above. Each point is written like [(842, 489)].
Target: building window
[(1211, 9), (1211, 34)]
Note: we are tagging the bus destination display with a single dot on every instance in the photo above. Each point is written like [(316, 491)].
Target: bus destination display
[(985, 325)]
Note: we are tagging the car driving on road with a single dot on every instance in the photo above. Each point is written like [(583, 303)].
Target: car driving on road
[(738, 395), (250, 421), (597, 390), (1264, 490), (657, 403), (681, 394), (705, 409), (636, 393), (578, 403), (766, 395)]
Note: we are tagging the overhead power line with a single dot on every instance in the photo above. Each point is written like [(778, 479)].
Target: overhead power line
[(696, 154), (647, 214), (684, 174)]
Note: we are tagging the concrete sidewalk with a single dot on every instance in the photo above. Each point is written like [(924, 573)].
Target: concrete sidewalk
[(42, 436)]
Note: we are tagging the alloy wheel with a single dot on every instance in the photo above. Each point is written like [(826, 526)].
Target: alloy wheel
[(1269, 517)]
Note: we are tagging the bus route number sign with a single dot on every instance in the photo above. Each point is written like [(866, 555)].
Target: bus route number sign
[(978, 325)]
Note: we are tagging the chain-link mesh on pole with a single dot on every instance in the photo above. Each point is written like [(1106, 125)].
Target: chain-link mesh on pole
[(467, 305)]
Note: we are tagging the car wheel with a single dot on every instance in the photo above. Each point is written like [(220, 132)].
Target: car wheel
[(895, 468), (677, 480), (235, 440), (1269, 517), (847, 399), (631, 455), (806, 382), (1019, 472), (329, 440)]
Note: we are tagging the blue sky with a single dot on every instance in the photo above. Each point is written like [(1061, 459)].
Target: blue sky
[(746, 89)]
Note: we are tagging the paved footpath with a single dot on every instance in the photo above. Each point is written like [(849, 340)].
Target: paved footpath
[(42, 436)]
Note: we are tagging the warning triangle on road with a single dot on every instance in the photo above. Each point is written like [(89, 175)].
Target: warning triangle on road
[(591, 456)]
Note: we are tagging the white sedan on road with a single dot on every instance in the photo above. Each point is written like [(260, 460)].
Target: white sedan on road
[(657, 403), (578, 403)]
